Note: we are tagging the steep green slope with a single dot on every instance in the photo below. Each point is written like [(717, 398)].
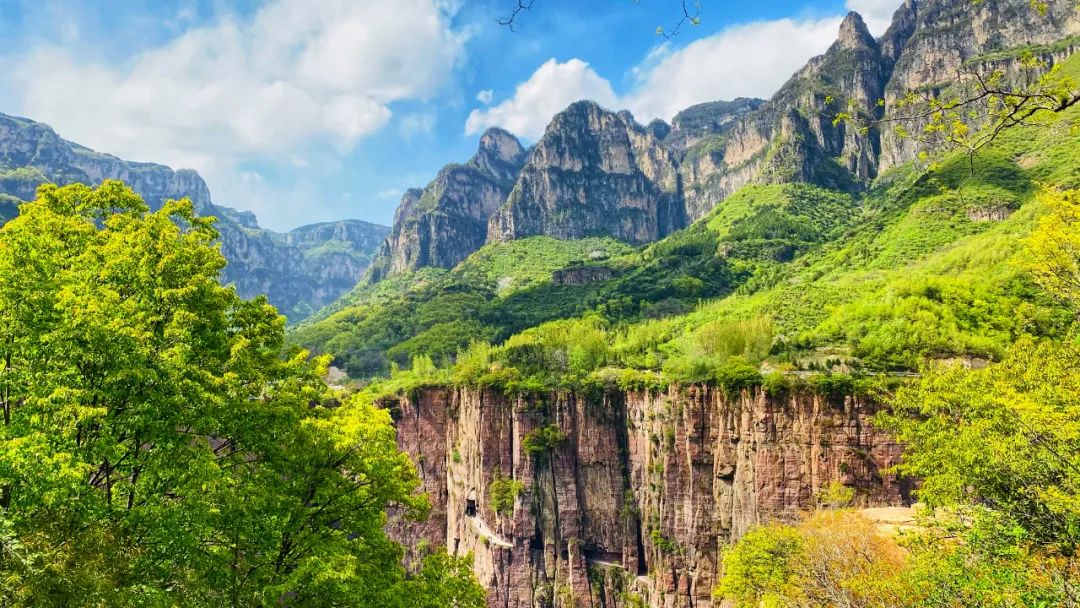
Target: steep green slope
[(928, 263), (932, 267), (508, 287), (500, 289)]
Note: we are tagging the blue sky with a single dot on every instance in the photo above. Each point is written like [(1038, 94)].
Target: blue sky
[(312, 110)]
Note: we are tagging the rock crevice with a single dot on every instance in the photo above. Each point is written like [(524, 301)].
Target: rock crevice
[(639, 493)]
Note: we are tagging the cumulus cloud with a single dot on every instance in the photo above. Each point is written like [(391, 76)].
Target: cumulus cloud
[(877, 13), (745, 60), (551, 88), (297, 73), (485, 96), (741, 61)]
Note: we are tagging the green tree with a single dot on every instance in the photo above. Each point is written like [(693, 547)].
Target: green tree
[(984, 561), (1055, 247), (759, 570), (159, 446), (1006, 437), (830, 559)]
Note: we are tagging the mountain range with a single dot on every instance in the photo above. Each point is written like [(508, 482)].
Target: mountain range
[(299, 271), (611, 354), (597, 172)]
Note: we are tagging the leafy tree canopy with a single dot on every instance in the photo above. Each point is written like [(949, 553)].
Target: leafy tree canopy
[(160, 447)]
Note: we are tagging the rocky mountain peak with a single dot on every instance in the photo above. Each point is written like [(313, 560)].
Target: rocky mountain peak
[(500, 153), (900, 30), (441, 224), (580, 114), (854, 34), (593, 172)]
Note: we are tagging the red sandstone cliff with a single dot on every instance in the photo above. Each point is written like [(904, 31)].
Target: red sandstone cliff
[(635, 505)]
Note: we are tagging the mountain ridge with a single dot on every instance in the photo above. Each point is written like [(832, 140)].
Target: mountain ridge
[(713, 149), (279, 265)]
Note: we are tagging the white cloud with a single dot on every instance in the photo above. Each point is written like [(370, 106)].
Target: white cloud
[(389, 194), (551, 88), (296, 74), (747, 60), (485, 96), (417, 123), (877, 13)]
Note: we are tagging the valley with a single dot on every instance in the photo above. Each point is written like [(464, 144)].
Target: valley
[(817, 350)]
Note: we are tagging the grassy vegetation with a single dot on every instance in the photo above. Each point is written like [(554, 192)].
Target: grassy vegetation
[(926, 264)]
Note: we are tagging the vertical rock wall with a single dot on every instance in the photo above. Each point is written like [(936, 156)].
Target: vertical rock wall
[(633, 506)]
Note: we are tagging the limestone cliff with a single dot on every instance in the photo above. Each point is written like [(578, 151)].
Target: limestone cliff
[(298, 272), (698, 137), (597, 172), (638, 493), (446, 221), (792, 138), (594, 172), (943, 38)]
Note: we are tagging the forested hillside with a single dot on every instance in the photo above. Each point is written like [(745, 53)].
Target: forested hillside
[(684, 370), (830, 268), (819, 350)]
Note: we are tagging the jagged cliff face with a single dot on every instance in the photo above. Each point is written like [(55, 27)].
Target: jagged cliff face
[(698, 136), (792, 138), (932, 40), (597, 172), (642, 494), (32, 153), (594, 172), (446, 221), (299, 272)]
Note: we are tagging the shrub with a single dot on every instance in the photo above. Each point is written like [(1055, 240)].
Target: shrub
[(836, 496), (503, 492), (541, 441)]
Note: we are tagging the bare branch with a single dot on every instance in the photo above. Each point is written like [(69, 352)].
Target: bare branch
[(693, 19), (511, 20)]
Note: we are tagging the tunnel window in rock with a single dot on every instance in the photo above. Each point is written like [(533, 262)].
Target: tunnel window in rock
[(470, 504)]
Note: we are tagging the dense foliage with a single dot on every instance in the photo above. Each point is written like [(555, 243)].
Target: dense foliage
[(833, 558), (997, 450), (159, 447)]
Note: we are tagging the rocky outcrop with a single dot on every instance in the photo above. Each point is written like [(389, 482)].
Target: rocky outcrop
[(581, 275), (597, 172), (792, 137), (446, 221), (699, 124), (635, 494), (594, 172), (942, 40), (299, 272), (698, 137)]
